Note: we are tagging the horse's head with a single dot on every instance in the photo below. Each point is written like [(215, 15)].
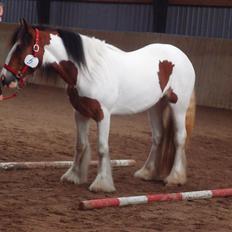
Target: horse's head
[(23, 58)]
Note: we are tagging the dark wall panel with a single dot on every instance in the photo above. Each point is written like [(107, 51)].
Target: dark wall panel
[(200, 21), (16, 9), (118, 17), (184, 20)]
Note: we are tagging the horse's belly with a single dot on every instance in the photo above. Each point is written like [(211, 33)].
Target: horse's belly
[(132, 106), (138, 91)]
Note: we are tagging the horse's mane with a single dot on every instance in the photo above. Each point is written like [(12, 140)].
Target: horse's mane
[(73, 44), (72, 41)]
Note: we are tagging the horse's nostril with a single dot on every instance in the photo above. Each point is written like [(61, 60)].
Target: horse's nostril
[(2, 80), (2, 77), (1, 86)]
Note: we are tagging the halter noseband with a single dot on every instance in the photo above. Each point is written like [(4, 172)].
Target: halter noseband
[(20, 73)]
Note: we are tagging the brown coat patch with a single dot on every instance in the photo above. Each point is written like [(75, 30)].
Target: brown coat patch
[(88, 107), (67, 71), (172, 97), (165, 71)]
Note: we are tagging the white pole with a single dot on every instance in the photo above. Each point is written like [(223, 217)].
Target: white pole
[(57, 164)]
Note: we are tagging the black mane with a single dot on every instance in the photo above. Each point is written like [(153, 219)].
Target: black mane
[(72, 41), (73, 44)]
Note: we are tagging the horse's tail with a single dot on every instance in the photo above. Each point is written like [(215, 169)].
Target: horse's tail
[(167, 145), (190, 116)]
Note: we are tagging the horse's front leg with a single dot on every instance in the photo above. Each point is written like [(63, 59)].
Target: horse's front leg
[(78, 172), (104, 181)]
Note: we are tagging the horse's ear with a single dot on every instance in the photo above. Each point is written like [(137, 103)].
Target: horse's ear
[(24, 25)]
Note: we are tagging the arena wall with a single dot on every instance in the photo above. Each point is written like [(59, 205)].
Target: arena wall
[(211, 58)]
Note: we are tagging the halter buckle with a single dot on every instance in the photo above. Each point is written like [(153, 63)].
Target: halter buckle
[(36, 47), (19, 74)]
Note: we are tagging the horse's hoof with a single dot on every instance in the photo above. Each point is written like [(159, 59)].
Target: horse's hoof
[(145, 174), (71, 176), (106, 189), (175, 180), (102, 185)]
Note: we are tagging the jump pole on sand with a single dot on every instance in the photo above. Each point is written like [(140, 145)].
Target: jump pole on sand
[(57, 164), (134, 200)]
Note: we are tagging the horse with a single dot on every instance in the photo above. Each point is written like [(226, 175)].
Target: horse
[(103, 80)]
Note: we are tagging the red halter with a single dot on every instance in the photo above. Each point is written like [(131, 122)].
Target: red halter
[(20, 73)]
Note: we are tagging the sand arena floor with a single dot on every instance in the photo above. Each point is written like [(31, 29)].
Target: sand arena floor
[(38, 125)]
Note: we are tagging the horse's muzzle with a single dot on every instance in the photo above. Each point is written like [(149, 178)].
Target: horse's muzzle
[(7, 80), (12, 84)]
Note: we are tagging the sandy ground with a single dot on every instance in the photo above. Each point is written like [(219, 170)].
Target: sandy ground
[(38, 125)]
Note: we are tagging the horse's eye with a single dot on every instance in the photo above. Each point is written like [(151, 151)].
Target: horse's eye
[(18, 49)]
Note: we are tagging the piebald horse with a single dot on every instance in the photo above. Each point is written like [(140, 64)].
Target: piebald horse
[(103, 80)]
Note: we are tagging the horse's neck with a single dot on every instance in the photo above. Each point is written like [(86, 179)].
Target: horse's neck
[(54, 52), (56, 57), (94, 52)]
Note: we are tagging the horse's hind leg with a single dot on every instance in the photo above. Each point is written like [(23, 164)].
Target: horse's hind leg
[(78, 172), (178, 171), (104, 181), (149, 170)]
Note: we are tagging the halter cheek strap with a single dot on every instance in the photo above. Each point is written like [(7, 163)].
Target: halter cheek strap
[(20, 73)]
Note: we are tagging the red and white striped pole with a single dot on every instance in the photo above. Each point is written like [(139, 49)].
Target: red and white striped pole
[(6, 166), (133, 200)]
